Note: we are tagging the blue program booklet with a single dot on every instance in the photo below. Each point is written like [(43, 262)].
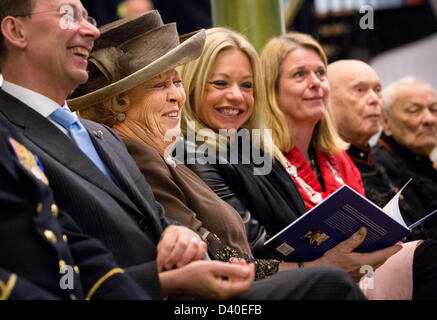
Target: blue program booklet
[(334, 220)]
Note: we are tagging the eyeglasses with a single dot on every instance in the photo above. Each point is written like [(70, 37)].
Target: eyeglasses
[(71, 16)]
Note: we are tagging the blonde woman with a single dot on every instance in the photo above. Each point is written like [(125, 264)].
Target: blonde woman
[(225, 93), (303, 128)]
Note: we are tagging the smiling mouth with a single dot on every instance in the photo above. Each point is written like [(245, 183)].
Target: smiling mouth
[(81, 52), (172, 114), (229, 111)]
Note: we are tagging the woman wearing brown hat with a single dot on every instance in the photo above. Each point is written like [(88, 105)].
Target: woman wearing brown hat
[(144, 107)]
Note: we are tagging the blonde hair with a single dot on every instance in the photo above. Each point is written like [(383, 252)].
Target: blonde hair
[(195, 73), (107, 111), (325, 135)]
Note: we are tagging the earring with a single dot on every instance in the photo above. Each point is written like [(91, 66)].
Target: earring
[(121, 117)]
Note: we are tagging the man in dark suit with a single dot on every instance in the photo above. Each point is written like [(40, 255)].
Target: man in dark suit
[(44, 58), (44, 255)]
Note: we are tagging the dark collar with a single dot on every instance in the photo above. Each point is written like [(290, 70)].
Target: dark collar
[(390, 144), (360, 154)]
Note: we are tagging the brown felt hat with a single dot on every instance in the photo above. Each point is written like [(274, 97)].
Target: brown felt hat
[(131, 51)]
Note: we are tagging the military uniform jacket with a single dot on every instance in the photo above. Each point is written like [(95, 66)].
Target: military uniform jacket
[(122, 213), (44, 254)]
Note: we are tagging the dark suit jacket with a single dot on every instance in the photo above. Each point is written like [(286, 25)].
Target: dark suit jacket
[(37, 239), (122, 213)]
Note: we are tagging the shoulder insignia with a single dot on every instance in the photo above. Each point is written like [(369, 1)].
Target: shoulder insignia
[(28, 160)]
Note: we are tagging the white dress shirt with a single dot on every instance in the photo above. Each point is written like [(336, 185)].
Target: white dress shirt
[(38, 102)]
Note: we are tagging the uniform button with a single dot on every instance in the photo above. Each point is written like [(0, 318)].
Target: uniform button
[(55, 210), (64, 237), (62, 264), (39, 208), (76, 269), (50, 236), (362, 154)]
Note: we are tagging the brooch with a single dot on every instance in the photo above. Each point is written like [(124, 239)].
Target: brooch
[(98, 133)]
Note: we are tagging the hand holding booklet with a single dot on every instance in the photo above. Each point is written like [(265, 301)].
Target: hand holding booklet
[(335, 219)]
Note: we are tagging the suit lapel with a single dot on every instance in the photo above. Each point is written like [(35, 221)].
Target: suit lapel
[(43, 134), (121, 174), (112, 161)]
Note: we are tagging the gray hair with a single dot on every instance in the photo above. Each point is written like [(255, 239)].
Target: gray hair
[(389, 94)]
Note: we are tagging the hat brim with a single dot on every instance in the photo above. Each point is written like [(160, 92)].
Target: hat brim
[(188, 50)]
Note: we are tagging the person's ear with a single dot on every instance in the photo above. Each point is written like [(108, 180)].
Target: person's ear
[(14, 32), (385, 122)]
